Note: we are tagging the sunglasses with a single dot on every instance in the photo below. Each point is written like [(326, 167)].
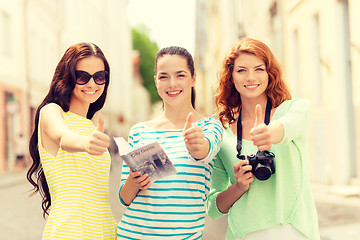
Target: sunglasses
[(100, 77)]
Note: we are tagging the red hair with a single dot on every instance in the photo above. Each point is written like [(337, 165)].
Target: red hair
[(227, 98)]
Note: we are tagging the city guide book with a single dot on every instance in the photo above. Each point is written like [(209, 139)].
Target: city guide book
[(150, 159)]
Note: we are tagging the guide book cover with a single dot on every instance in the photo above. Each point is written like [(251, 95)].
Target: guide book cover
[(150, 159)]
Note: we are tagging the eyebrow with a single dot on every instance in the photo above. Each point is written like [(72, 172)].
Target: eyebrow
[(163, 73), (177, 72), (239, 66)]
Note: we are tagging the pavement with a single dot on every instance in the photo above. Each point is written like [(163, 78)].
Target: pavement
[(11, 179), (338, 208), (338, 211)]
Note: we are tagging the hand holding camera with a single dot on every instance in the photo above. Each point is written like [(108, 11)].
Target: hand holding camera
[(262, 164), (243, 175)]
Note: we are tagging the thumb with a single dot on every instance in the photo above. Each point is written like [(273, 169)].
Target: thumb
[(259, 118), (100, 126), (189, 121)]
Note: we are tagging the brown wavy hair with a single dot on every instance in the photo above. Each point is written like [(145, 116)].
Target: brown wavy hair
[(61, 88), (227, 98)]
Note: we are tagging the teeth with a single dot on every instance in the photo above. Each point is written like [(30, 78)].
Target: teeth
[(173, 93), (251, 86), (87, 92)]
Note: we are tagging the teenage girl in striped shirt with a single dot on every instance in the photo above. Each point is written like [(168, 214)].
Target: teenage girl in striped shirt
[(172, 207)]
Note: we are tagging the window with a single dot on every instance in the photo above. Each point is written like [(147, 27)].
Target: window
[(295, 78), (315, 41), (5, 34)]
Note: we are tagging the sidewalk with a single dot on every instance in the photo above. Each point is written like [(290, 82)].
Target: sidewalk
[(338, 211), (338, 207), (12, 178)]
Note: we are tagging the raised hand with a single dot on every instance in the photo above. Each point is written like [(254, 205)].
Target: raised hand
[(100, 126), (260, 134), (98, 142), (243, 175), (194, 137)]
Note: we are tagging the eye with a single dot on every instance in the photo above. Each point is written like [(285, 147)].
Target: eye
[(260, 69), (241, 70), (79, 74), (181, 76), (162, 77)]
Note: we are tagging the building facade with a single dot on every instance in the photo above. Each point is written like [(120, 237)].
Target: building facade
[(34, 35), (317, 43)]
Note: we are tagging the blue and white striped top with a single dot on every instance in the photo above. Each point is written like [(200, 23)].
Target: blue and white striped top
[(173, 207)]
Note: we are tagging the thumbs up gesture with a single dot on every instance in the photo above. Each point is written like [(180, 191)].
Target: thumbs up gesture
[(260, 134), (98, 142), (194, 137)]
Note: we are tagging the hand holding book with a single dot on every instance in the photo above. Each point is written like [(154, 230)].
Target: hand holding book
[(140, 181), (150, 159)]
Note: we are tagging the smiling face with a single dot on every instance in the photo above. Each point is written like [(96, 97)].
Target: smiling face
[(250, 76), (83, 95), (173, 80)]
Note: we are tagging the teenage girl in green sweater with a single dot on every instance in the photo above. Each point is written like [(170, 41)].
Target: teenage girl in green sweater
[(255, 105)]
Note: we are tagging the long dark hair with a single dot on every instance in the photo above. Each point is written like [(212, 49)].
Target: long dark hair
[(174, 50), (60, 91)]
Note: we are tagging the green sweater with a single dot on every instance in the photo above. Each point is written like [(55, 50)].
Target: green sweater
[(286, 197)]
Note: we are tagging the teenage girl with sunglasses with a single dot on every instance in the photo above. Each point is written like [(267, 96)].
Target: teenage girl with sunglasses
[(71, 162)]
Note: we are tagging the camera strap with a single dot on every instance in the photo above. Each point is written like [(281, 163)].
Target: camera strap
[(239, 126)]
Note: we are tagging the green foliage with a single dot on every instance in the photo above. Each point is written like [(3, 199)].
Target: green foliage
[(147, 49)]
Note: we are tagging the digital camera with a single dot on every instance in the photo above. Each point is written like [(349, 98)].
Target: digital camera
[(262, 163)]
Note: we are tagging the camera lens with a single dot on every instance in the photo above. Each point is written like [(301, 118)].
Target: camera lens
[(262, 172)]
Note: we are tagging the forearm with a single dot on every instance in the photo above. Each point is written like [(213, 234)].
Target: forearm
[(227, 198), (128, 192), (276, 131), (72, 142)]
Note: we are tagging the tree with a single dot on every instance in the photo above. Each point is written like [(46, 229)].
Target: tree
[(147, 49)]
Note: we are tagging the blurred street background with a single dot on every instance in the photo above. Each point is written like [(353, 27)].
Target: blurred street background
[(317, 42), (21, 215)]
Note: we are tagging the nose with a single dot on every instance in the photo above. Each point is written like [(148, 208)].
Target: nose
[(172, 81), (91, 82), (251, 75)]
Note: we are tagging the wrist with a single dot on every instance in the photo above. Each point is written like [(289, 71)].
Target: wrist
[(238, 189), (201, 152)]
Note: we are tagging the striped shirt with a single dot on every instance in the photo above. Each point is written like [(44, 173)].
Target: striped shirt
[(173, 207), (79, 189)]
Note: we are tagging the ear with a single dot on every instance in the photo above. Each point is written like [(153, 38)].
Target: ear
[(193, 78), (155, 80)]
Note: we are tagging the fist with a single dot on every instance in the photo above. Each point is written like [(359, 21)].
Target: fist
[(98, 141), (194, 138), (260, 134)]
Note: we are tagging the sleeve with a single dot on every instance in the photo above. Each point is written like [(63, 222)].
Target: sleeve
[(295, 120), (213, 131), (219, 182), (125, 168), (124, 175)]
